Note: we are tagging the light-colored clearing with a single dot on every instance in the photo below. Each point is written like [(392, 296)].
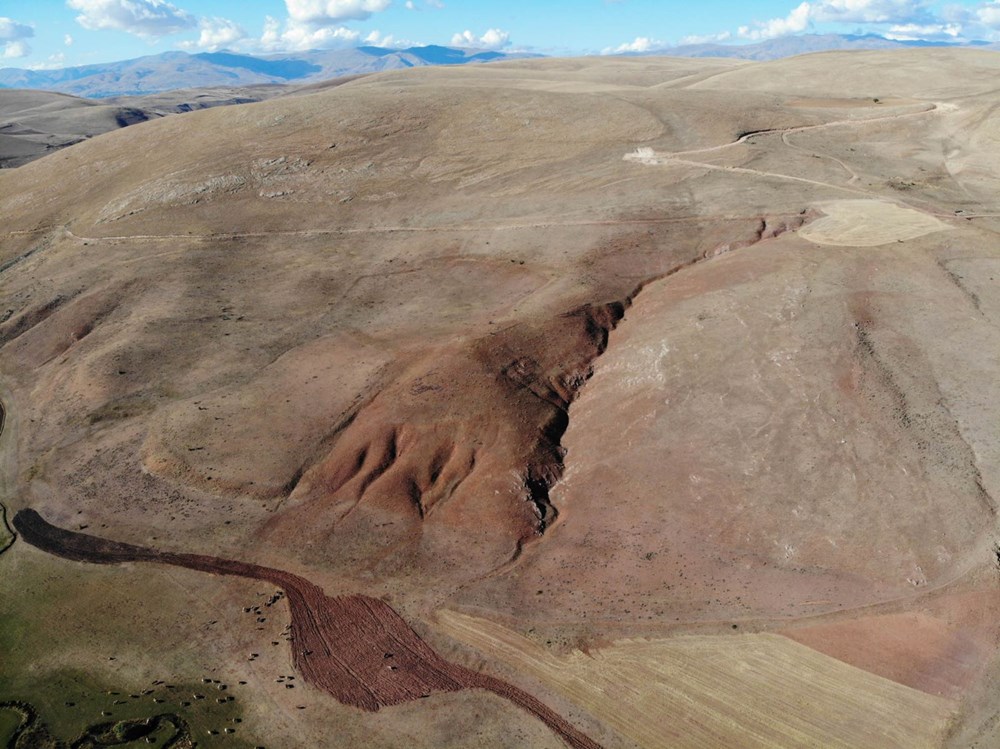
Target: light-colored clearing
[(709, 691), (645, 155), (868, 223)]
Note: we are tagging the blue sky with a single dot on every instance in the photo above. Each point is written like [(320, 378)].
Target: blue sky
[(58, 33)]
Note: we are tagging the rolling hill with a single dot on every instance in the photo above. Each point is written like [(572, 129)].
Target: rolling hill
[(558, 402)]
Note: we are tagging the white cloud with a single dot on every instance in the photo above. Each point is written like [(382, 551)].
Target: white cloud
[(871, 11), (706, 38), (902, 13), (68, 40), (932, 31), (796, 21), (389, 41), (329, 12), (12, 31), (298, 37), (317, 24), (140, 17), (216, 34), (639, 44), (410, 5), (12, 36), (492, 39), (988, 14), (13, 50), (272, 33), (328, 37), (979, 22), (53, 62)]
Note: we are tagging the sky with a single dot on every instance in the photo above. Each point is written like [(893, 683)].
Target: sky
[(59, 33)]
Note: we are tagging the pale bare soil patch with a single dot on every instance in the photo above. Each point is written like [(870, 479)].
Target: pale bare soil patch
[(868, 223)]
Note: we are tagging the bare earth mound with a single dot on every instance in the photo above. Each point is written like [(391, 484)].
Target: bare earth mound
[(656, 397)]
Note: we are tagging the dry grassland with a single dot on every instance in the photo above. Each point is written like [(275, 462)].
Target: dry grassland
[(701, 692), (868, 223)]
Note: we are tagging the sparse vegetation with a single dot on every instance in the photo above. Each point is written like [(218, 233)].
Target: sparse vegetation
[(648, 359)]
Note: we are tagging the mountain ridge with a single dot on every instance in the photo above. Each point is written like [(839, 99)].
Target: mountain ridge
[(171, 70), (801, 44)]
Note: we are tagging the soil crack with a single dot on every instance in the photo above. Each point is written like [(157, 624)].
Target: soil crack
[(599, 320)]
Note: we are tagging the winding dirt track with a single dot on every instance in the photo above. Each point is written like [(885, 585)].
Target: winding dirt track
[(664, 158), (356, 648)]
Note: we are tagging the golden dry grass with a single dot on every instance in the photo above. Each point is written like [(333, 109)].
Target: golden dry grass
[(868, 223), (703, 692)]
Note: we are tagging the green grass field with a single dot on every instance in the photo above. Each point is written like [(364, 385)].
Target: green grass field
[(49, 604)]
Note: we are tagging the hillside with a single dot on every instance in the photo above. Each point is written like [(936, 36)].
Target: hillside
[(37, 123), (559, 402)]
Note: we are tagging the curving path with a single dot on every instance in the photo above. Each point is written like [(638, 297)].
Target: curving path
[(663, 158), (786, 131), (356, 648)]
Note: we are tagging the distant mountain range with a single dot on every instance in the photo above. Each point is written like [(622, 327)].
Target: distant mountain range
[(788, 46), (174, 70), (41, 110)]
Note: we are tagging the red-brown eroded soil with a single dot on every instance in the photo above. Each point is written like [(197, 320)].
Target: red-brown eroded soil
[(356, 648), (941, 649)]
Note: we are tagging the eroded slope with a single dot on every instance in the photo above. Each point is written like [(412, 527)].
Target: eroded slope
[(546, 342)]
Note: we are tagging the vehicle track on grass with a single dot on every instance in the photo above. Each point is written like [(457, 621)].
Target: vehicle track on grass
[(656, 158), (517, 226), (355, 648), (785, 131)]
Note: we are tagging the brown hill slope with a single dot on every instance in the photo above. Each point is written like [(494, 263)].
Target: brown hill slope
[(594, 349), (37, 123)]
